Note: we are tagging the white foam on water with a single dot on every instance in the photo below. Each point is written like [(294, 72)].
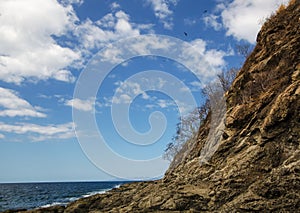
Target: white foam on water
[(117, 186), (54, 204), (72, 199), (96, 192)]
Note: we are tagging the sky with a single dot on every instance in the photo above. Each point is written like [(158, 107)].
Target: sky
[(93, 89)]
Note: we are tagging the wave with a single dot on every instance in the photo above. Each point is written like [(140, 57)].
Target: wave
[(96, 192), (72, 199), (43, 195), (54, 204), (118, 186)]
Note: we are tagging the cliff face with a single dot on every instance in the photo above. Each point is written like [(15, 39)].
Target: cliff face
[(257, 165)]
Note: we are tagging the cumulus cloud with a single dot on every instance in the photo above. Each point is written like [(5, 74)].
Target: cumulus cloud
[(196, 56), (169, 105), (158, 82), (165, 103), (127, 91), (190, 21), (212, 21), (115, 5), (112, 27), (242, 18), (66, 2), (31, 48), (23, 128), (82, 105), (144, 45), (163, 12), (197, 85), (208, 62), (39, 132), (13, 105), (28, 50)]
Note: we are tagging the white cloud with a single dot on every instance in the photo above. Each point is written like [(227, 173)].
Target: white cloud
[(30, 32), (199, 44), (40, 133), (64, 75), (111, 27), (148, 28), (68, 2), (2, 136), (15, 106), (211, 21), (124, 27), (28, 50), (91, 36), (23, 128), (197, 85), (161, 83), (127, 91), (112, 76), (60, 136), (83, 105), (140, 45), (207, 63), (151, 43), (189, 21), (216, 58), (115, 5), (183, 107), (163, 103), (107, 21), (242, 18), (112, 55), (163, 12)]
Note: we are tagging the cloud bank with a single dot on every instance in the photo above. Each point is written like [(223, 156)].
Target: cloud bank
[(28, 50), (13, 105)]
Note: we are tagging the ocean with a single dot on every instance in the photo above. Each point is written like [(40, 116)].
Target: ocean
[(33, 195)]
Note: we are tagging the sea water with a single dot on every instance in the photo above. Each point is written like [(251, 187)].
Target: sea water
[(33, 195)]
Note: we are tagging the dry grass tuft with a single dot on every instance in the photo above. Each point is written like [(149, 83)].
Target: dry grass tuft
[(283, 6), (280, 8), (292, 2)]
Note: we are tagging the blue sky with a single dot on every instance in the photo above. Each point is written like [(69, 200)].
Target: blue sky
[(53, 55)]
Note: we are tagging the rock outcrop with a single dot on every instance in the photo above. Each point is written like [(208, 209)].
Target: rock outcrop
[(257, 165)]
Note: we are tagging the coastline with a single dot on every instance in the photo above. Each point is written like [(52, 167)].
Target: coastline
[(42, 195)]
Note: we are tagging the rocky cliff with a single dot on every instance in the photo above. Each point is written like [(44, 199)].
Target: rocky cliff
[(257, 165)]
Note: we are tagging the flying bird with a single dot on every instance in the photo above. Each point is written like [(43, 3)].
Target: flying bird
[(205, 11), (185, 33)]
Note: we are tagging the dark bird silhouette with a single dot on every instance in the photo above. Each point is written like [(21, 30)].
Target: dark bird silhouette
[(205, 11), (185, 33)]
